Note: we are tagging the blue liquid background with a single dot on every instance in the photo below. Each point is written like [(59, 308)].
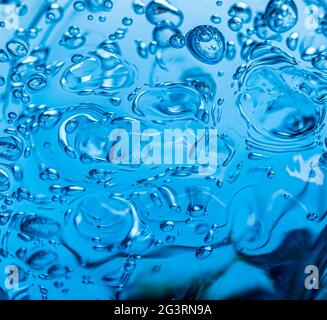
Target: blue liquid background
[(260, 218)]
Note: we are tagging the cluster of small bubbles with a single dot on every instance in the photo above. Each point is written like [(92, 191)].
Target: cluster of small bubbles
[(177, 41), (139, 7), (127, 21), (99, 5), (215, 19), (20, 95), (110, 229), (153, 47), (49, 174), (206, 43), (281, 15)]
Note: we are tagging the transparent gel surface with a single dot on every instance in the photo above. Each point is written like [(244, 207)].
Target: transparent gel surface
[(74, 225)]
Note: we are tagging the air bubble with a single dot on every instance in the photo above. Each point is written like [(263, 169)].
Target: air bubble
[(206, 43), (281, 15)]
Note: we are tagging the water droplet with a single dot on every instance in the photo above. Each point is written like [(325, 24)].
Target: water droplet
[(203, 252), (308, 53), (177, 41), (139, 7), (312, 216), (167, 226), (162, 10), (271, 173), (127, 21), (230, 50), (79, 5), (262, 30), (153, 47), (209, 236), (242, 11), (293, 40), (215, 19), (235, 24)]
